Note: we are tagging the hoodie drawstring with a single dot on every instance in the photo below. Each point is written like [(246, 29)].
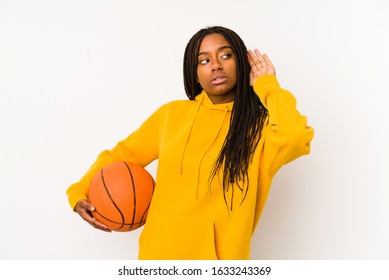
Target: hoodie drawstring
[(206, 151), (188, 136), (201, 101)]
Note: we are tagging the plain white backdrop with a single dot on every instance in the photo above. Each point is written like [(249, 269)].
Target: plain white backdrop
[(78, 76)]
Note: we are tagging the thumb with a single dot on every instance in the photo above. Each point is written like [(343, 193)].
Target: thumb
[(88, 206), (83, 204)]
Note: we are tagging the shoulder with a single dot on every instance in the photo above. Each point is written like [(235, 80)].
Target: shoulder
[(174, 110), (178, 105)]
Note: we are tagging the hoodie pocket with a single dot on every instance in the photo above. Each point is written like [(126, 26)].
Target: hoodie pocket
[(169, 237)]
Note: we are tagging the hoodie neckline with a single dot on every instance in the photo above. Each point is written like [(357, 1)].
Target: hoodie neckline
[(207, 102)]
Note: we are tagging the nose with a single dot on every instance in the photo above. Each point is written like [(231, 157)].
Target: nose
[(216, 65)]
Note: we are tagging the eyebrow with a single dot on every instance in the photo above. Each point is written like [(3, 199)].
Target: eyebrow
[(220, 49)]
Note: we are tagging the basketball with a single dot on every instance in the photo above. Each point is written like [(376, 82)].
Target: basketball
[(121, 194)]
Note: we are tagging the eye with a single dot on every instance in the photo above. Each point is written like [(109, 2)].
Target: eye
[(203, 61), (226, 56)]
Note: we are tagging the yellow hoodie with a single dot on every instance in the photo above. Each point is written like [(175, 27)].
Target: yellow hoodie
[(188, 218)]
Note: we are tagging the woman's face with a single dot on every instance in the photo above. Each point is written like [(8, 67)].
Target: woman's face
[(216, 68)]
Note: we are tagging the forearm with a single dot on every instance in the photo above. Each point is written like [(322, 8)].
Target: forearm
[(287, 134)]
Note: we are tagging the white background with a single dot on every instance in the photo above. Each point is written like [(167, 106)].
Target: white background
[(78, 76)]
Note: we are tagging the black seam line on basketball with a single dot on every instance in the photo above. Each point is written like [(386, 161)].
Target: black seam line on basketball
[(143, 219), (110, 197), (114, 222), (134, 193)]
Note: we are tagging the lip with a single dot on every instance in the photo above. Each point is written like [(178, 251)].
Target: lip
[(218, 79)]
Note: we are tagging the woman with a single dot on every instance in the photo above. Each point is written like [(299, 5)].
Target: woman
[(217, 152)]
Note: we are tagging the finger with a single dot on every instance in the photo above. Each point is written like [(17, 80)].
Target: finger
[(267, 59), (85, 211), (82, 204), (100, 226), (93, 222), (87, 205), (259, 61), (269, 64), (259, 57), (251, 57), (86, 215), (253, 61)]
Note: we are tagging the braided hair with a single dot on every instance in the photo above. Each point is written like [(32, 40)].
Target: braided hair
[(247, 117)]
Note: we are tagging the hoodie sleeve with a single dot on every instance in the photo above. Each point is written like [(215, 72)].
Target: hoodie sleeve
[(141, 147), (286, 134)]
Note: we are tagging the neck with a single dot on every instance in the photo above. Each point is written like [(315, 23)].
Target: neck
[(222, 98)]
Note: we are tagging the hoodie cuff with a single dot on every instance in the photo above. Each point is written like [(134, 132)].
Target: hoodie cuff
[(265, 85), (74, 196)]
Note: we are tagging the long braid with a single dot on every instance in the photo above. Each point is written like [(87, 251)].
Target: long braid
[(247, 117)]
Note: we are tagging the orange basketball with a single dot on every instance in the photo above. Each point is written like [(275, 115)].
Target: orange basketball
[(121, 193)]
